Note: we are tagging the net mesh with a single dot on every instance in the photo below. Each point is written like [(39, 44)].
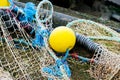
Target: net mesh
[(107, 62), (113, 46), (25, 51), (22, 60), (90, 28), (43, 15), (107, 66)]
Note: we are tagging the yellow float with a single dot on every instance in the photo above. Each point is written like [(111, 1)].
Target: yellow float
[(62, 38), (4, 3)]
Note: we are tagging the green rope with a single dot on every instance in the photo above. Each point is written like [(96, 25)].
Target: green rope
[(115, 35)]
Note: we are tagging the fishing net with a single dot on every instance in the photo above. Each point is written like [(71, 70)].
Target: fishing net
[(25, 53), (105, 63), (60, 69), (18, 56), (111, 45), (90, 28), (107, 66), (97, 32)]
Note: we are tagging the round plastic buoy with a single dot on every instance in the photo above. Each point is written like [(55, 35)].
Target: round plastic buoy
[(4, 3), (62, 38)]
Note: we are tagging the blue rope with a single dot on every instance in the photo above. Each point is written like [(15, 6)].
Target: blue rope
[(39, 37), (38, 41), (11, 2), (55, 69), (66, 55), (28, 15), (29, 11), (50, 79), (84, 59)]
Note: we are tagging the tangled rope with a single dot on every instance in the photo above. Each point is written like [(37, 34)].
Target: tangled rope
[(24, 34)]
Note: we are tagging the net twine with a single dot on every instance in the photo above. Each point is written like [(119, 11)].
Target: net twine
[(107, 63), (18, 56), (22, 59)]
